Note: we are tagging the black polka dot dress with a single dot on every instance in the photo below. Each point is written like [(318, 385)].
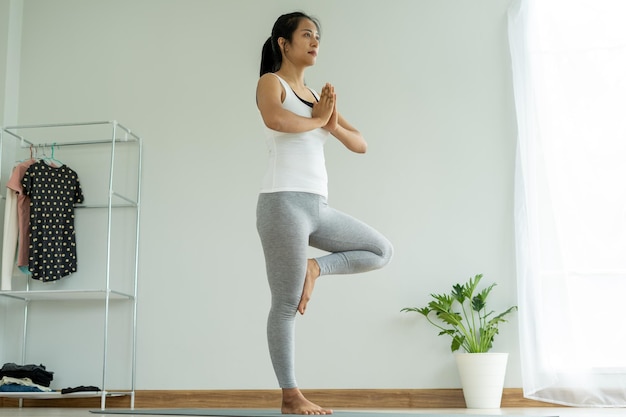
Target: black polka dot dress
[(53, 192)]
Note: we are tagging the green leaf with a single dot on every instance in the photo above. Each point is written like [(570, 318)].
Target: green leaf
[(424, 310), (451, 318), (457, 342), (443, 302), (478, 303), (458, 293), (471, 285), (499, 318), (480, 300)]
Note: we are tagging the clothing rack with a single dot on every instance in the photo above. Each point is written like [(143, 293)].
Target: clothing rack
[(128, 134), (105, 291)]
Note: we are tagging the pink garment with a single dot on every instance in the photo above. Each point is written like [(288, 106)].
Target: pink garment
[(23, 211)]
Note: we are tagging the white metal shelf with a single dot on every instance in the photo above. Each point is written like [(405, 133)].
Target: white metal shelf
[(45, 136), (66, 295), (56, 395)]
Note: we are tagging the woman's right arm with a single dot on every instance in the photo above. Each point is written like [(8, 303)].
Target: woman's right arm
[(270, 96)]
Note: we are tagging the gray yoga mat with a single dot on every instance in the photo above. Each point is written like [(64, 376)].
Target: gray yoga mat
[(245, 412)]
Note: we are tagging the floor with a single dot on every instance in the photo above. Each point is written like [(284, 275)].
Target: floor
[(537, 411)]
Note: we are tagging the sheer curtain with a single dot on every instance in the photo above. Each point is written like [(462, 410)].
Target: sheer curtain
[(569, 75)]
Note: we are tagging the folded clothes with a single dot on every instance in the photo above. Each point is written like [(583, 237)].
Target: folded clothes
[(36, 373), (18, 388), (82, 388), (7, 380)]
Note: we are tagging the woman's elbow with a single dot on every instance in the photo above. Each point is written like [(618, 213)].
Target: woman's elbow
[(360, 147), (273, 123)]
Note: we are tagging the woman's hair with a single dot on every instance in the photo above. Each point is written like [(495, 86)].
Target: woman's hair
[(285, 26)]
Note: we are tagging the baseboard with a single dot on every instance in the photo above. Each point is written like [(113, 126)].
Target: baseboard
[(335, 398)]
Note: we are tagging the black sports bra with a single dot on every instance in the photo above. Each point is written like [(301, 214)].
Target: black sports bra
[(308, 103)]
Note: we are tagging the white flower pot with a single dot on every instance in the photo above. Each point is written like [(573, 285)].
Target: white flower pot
[(482, 378)]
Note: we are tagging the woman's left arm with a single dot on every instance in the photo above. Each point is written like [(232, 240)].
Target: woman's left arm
[(346, 133), (342, 130)]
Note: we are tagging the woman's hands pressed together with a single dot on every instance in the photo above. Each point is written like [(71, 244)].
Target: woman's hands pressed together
[(325, 109)]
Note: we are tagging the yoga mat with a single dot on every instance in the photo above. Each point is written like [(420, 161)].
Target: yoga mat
[(245, 412)]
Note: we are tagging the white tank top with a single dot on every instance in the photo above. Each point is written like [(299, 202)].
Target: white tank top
[(296, 160)]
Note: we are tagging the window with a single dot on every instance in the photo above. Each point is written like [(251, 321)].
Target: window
[(569, 71)]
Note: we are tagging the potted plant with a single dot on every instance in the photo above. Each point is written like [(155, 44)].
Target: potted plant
[(462, 314)]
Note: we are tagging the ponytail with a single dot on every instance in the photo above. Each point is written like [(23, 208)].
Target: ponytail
[(271, 58)]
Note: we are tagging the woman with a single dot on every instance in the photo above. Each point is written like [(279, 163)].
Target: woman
[(292, 212)]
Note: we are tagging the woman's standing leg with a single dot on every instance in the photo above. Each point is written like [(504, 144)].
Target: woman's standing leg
[(284, 225)]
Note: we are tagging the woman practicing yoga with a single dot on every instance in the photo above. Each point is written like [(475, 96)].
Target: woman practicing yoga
[(292, 210)]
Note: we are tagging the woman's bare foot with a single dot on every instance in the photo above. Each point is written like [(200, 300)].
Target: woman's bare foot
[(295, 403), (312, 273)]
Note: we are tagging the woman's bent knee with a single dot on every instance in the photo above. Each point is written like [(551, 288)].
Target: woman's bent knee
[(387, 254)]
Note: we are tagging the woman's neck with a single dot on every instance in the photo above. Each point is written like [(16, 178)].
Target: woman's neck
[(293, 76)]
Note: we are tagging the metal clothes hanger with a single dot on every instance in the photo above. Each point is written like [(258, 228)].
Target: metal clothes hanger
[(51, 158), (31, 149)]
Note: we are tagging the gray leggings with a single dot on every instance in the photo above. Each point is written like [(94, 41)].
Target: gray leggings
[(288, 222)]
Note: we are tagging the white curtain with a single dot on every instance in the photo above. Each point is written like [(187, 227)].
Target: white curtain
[(569, 75)]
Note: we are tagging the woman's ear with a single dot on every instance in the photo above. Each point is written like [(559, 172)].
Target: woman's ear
[(282, 42)]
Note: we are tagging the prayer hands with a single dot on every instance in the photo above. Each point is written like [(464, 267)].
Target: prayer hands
[(326, 108)]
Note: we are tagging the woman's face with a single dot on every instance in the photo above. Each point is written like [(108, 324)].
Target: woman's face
[(304, 45)]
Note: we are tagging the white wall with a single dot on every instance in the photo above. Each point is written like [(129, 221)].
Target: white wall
[(428, 84), (10, 40), (4, 19), (5, 7), (10, 34)]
